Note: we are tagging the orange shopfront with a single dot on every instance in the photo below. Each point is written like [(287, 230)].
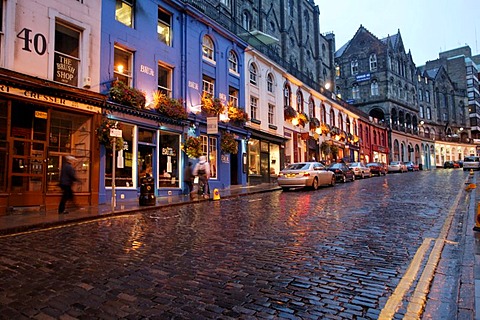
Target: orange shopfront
[(41, 122)]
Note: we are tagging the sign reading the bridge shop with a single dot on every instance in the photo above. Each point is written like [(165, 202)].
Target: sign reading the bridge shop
[(66, 70)]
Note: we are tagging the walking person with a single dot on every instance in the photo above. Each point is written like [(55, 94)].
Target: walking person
[(188, 179), (202, 170), (67, 177)]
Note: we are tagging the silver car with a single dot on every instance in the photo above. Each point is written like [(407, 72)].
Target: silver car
[(360, 170), (305, 174), (397, 166)]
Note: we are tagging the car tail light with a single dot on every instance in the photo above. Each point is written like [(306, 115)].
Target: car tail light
[(306, 174), (280, 174)]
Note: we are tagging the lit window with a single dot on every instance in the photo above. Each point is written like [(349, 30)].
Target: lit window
[(337, 70), (253, 74), (67, 54), (122, 66), (164, 27), (286, 96), (212, 156), (208, 86), (232, 62), (165, 80), (208, 48), (124, 12), (233, 96)]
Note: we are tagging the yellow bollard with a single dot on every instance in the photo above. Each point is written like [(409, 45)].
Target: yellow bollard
[(470, 187), (216, 194), (477, 219), (471, 171)]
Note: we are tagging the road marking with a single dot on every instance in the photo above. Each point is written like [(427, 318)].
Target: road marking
[(416, 303)]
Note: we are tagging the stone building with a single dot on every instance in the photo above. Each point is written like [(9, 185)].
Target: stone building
[(286, 31)]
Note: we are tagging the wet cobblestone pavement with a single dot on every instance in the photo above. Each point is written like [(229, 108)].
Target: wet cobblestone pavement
[(334, 253)]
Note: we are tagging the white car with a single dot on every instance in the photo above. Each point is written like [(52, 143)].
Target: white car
[(305, 174), (360, 170), (397, 166)]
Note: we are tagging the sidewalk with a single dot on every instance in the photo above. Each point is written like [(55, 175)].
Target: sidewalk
[(22, 222)]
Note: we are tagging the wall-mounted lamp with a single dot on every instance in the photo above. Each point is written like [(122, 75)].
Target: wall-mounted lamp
[(295, 121), (318, 130)]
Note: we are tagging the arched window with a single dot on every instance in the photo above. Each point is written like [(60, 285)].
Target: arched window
[(323, 114), (332, 118), (208, 49), (374, 88), (287, 94), (299, 101), (355, 91), (354, 66), (253, 73), (270, 83), (340, 121), (232, 62), (311, 108), (247, 20)]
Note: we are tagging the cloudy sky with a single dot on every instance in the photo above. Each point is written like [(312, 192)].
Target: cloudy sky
[(427, 26)]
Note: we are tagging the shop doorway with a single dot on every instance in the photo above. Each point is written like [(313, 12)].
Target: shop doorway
[(234, 169), (264, 166)]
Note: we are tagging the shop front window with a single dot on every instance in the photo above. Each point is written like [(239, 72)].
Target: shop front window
[(69, 135), (254, 157), (212, 156), (124, 160), (168, 170), (274, 160)]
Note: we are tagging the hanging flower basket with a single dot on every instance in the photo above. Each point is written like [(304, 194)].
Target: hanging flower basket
[(228, 143), (170, 107), (128, 96), (192, 147), (289, 113), (212, 106), (103, 134), (325, 128), (314, 123), (237, 115), (302, 118)]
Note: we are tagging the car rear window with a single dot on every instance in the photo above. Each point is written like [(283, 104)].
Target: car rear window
[(471, 159), (298, 166)]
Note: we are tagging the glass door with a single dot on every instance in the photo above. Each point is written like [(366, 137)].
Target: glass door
[(27, 178)]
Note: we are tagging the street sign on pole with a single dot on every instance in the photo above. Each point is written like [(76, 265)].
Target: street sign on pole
[(115, 133)]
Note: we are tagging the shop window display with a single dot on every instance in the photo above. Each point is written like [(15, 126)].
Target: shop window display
[(168, 170), (124, 160)]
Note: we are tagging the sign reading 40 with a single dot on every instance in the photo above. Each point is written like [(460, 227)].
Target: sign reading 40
[(38, 41)]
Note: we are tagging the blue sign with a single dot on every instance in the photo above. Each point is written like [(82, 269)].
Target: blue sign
[(363, 77)]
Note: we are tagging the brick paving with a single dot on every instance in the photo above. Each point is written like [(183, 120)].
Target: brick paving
[(291, 255)]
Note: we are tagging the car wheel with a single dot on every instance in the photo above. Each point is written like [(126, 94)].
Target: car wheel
[(332, 182), (315, 183)]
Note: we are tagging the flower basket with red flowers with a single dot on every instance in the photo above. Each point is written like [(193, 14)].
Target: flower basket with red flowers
[(237, 115), (302, 118), (128, 96), (212, 106), (289, 113), (170, 107)]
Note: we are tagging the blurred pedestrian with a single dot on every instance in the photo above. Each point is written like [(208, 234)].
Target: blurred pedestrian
[(188, 178), (202, 170), (68, 176)]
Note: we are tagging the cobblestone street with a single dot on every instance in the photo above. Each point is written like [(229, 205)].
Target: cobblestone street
[(334, 253)]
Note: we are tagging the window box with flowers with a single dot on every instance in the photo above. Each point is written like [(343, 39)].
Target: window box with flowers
[(228, 143), (127, 96), (103, 134), (211, 107), (289, 113), (170, 107), (192, 147)]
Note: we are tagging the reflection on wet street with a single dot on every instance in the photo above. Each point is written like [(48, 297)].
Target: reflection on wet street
[(332, 253)]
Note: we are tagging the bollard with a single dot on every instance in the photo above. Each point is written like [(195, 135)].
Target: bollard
[(216, 194), (471, 172)]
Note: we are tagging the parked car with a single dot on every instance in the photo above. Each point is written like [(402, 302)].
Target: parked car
[(377, 168), (460, 163), (342, 172), (471, 162), (412, 166), (305, 174), (397, 166), (360, 170), (451, 164)]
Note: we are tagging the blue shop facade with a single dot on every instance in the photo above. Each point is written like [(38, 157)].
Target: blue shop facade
[(168, 48)]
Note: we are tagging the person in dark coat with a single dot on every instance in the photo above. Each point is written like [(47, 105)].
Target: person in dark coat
[(188, 179), (67, 178)]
